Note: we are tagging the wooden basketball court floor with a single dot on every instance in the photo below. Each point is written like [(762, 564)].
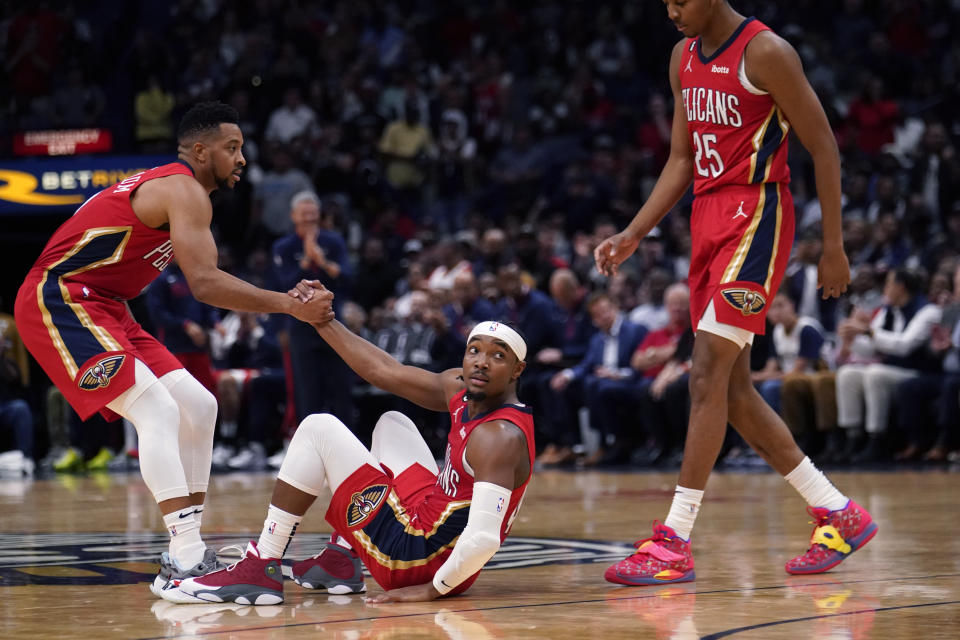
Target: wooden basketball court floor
[(76, 554)]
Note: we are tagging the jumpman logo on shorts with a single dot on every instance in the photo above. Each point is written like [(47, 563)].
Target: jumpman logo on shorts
[(739, 212)]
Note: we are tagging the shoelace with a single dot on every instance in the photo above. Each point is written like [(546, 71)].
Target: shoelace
[(233, 550)]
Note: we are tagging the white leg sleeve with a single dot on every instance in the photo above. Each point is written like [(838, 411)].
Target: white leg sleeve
[(156, 417), (198, 419), (397, 443), (322, 448)]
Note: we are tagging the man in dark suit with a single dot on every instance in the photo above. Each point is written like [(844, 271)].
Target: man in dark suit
[(606, 377), (315, 251), (801, 282)]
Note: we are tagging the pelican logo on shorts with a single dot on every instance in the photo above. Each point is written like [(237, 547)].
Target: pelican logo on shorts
[(98, 376), (365, 502), (747, 301)]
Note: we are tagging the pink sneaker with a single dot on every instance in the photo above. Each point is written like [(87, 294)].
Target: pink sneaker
[(837, 534), (661, 559), (250, 580)]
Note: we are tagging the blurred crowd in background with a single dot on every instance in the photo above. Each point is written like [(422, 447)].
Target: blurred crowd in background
[(440, 163)]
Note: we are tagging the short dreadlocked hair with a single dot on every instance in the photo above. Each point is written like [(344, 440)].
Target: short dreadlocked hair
[(204, 117)]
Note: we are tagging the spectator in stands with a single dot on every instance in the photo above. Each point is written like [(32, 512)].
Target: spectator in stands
[(898, 334), (932, 422), (607, 380), (802, 281), (529, 309), (798, 341), (291, 120), (16, 417), (271, 198), (315, 251), (406, 146), (376, 275), (250, 384), (466, 307), (153, 107), (561, 427), (662, 399)]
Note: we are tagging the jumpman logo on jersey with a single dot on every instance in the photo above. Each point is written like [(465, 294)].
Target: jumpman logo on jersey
[(739, 212), (456, 413), (689, 62)]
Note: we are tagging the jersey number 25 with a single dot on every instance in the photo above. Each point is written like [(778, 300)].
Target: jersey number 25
[(704, 151)]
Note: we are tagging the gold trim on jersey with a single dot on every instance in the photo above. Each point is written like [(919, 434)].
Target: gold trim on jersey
[(386, 561), (776, 240), (400, 513), (736, 262), (101, 334), (757, 142)]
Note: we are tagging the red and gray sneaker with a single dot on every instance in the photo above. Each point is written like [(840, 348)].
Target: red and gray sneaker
[(836, 535), (662, 558), (171, 571), (336, 569), (250, 580)]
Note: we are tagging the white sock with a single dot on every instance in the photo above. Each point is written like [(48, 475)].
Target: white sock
[(186, 547), (815, 488), (278, 530), (683, 511), (198, 515), (340, 540)]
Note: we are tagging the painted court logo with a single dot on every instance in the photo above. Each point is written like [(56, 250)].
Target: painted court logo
[(98, 376), (747, 301), (365, 502), (129, 558)]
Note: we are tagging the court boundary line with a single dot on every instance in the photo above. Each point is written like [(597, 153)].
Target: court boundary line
[(763, 625), (214, 633)]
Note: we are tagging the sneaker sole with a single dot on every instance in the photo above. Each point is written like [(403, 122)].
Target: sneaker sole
[(336, 590), (631, 581), (855, 544)]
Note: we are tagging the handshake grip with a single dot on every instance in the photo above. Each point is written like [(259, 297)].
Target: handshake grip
[(316, 306)]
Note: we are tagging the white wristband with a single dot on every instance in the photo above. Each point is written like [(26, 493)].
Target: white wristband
[(479, 540)]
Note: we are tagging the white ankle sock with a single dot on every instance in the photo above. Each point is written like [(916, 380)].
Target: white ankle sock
[(186, 546), (278, 530), (815, 488), (683, 511), (198, 515), (340, 540)]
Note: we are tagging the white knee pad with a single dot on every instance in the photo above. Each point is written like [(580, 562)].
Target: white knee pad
[(397, 444), (710, 324), (198, 420), (322, 450), (154, 413)]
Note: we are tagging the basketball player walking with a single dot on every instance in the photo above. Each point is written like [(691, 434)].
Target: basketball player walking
[(738, 88), (72, 314)]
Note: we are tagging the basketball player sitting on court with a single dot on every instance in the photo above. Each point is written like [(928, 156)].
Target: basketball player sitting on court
[(72, 315), (738, 88), (421, 532)]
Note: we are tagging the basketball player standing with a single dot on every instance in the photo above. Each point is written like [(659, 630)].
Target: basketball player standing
[(71, 311), (738, 88)]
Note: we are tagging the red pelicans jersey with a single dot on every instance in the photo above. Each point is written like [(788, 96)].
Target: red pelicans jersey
[(404, 528), (70, 308), (105, 246), (737, 133)]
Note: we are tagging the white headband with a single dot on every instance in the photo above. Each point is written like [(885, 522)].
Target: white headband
[(502, 332)]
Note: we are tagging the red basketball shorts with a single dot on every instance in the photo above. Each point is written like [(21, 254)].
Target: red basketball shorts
[(741, 241), (387, 520), (85, 343)]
